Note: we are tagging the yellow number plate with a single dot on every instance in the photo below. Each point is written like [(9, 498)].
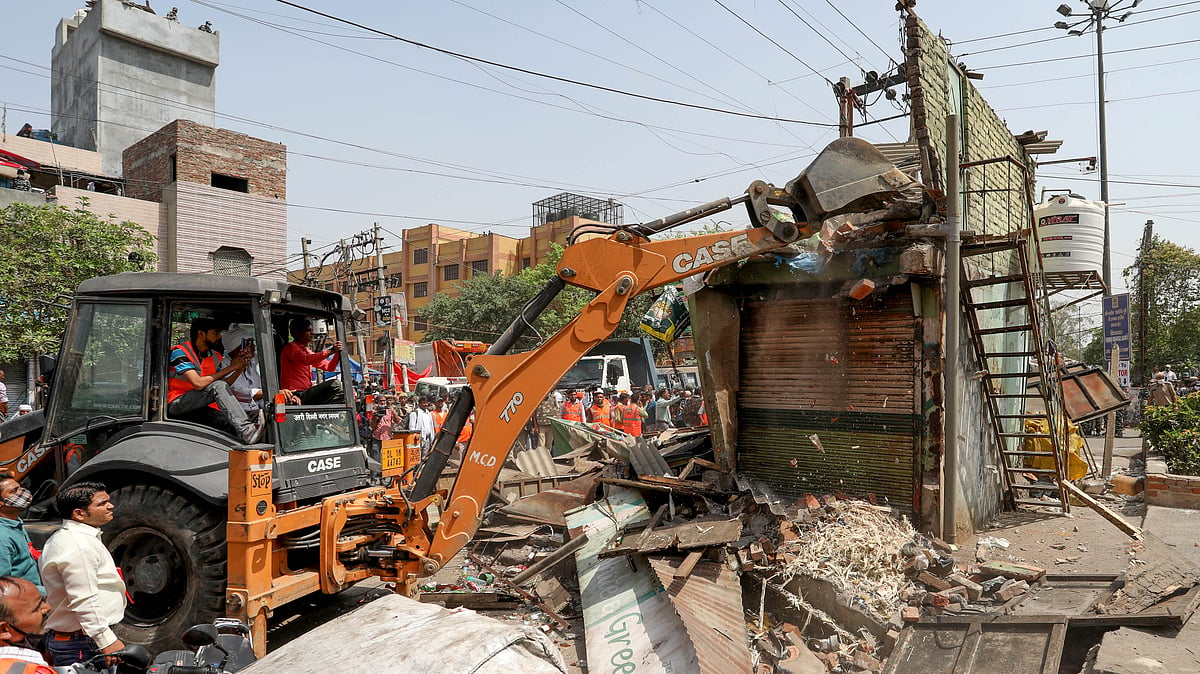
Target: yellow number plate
[(393, 457)]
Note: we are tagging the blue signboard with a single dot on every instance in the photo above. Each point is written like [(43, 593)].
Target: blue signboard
[(1116, 325)]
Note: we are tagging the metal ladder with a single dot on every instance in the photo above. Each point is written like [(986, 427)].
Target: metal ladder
[(1009, 393)]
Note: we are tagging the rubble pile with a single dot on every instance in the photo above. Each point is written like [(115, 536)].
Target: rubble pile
[(856, 546)]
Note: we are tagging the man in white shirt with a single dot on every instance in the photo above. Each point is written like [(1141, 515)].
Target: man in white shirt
[(247, 386), (3, 397), (84, 590), (23, 614), (421, 419)]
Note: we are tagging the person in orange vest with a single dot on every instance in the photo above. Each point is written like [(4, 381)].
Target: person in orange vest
[(439, 415), (572, 410), (632, 415), (616, 412), (21, 632), (600, 412), (198, 391)]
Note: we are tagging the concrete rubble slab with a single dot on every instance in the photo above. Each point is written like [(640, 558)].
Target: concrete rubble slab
[(1131, 650)]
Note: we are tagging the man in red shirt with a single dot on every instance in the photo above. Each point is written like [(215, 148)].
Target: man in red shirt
[(296, 362)]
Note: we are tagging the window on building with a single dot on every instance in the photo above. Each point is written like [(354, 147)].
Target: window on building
[(450, 272), (229, 261), (526, 262), (419, 324), (420, 289), (479, 267), (329, 286), (174, 168), (395, 280), (421, 256), (233, 183)]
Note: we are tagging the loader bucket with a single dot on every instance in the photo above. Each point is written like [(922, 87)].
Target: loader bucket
[(849, 176)]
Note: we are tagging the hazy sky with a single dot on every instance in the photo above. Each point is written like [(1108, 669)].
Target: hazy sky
[(403, 135)]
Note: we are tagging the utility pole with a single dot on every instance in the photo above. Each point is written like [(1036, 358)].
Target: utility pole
[(304, 241), (388, 375), (1143, 299), (1098, 17), (845, 109), (1098, 12)]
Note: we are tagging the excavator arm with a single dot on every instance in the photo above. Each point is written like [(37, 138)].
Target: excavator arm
[(850, 175)]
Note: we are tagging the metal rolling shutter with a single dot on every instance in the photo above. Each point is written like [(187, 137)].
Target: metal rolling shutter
[(845, 371)]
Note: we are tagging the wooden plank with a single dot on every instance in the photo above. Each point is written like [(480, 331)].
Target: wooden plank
[(689, 563), (472, 600), (1127, 528), (1012, 570)]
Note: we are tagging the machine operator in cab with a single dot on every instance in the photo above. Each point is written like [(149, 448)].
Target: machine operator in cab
[(198, 388)]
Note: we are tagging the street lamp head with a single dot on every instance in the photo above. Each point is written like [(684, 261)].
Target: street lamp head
[(1061, 25), (1075, 33), (1124, 16), (1065, 10)]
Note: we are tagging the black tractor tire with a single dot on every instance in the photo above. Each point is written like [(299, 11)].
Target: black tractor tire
[(171, 550)]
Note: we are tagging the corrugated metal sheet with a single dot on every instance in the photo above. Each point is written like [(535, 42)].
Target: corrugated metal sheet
[(647, 459), (630, 624), (709, 602), (845, 371)]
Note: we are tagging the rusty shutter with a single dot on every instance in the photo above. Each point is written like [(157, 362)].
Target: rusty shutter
[(845, 371)]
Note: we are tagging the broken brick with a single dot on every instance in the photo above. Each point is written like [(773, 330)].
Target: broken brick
[(933, 581), (811, 502), (865, 662), (937, 599), (910, 614), (973, 589), (890, 639), (829, 500), (1012, 589), (861, 289), (757, 553)]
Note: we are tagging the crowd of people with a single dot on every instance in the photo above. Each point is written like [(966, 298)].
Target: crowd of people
[(383, 413), (643, 412), (58, 606)]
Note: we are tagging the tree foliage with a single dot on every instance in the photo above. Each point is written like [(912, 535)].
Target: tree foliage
[(49, 251), (488, 304), (1170, 274), (1174, 430)]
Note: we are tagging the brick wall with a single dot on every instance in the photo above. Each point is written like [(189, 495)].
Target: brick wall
[(199, 152), (984, 135), (1168, 489)]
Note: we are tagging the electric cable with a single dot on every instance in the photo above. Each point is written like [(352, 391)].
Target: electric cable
[(556, 78)]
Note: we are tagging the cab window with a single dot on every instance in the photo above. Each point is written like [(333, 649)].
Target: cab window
[(104, 368)]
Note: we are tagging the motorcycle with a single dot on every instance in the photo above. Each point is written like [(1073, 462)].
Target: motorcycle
[(223, 647), (132, 658)]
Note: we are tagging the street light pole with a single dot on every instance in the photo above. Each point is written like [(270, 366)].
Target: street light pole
[(1099, 10)]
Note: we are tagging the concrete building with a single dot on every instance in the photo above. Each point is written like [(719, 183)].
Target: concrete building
[(120, 72), (434, 259), (214, 199), (224, 196)]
